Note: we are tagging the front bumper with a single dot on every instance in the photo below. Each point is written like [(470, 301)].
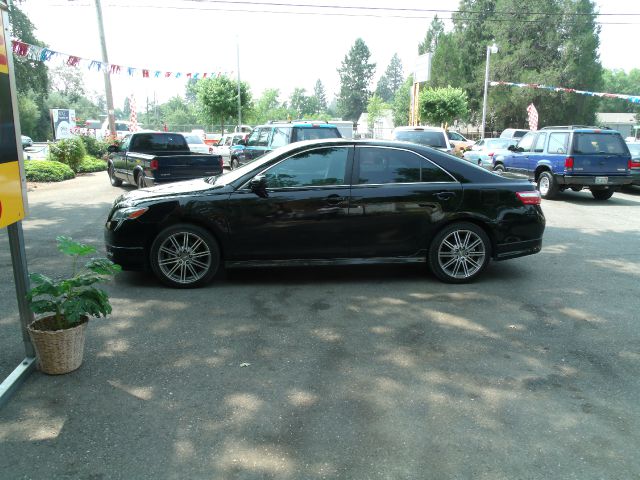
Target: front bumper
[(129, 258)]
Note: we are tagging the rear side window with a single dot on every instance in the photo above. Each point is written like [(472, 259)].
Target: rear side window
[(558, 143), (598, 144), (311, 133), (388, 165), (430, 139)]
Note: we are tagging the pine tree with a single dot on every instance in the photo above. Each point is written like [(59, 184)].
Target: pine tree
[(356, 74), (320, 97), (430, 42)]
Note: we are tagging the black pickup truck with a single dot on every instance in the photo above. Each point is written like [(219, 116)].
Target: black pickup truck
[(149, 158)]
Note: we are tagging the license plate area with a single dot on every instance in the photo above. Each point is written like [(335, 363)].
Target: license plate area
[(602, 180)]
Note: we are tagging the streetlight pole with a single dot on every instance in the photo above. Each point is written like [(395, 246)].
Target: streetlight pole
[(490, 49)]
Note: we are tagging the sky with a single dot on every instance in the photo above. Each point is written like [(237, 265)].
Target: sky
[(280, 46)]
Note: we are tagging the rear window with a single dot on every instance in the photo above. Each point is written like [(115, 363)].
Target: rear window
[(316, 133), (193, 139), (158, 142), (430, 139), (598, 144), (519, 133)]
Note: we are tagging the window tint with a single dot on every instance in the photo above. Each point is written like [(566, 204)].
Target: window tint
[(227, 141), (236, 140), (158, 142), (281, 136), (430, 139), (542, 137), (455, 136), (193, 139), (387, 165), (310, 133), (325, 166), (519, 133), (263, 139), (558, 143), (598, 143), (253, 138), (526, 142), (124, 145)]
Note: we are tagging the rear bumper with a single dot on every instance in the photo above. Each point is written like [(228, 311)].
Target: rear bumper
[(517, 249), (590, 180)]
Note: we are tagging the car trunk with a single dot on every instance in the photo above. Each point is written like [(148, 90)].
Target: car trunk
[(602, 154)]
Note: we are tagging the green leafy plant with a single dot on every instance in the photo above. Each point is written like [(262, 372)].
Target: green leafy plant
[(69, 151), (91, 164), (93, 146), (47, 171), (72, 299)]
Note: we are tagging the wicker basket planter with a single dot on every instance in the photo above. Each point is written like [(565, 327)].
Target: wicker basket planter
[(58, 351)]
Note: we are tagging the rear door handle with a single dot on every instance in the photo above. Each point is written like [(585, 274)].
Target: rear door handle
[(445, 195)]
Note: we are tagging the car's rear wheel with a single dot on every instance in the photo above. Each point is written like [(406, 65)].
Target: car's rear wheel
[(234, 164), (140, 182), (459, 253), (498, 167), (547, 185), (185, 256), (604, 194), (116, 182)]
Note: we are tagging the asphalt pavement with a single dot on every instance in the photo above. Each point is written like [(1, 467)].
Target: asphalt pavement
[(532, 372)]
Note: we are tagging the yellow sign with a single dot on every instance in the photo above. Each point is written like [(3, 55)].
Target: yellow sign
[(11, 195)]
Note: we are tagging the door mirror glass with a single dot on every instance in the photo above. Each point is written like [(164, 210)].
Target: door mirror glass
[(112, 148)]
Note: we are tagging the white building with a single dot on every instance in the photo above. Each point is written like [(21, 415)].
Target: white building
[(382, 128)]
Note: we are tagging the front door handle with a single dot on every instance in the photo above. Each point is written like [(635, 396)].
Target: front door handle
[(445, 195), (334, 199)]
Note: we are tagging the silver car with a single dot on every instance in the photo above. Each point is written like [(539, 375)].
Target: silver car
[(482, 151)]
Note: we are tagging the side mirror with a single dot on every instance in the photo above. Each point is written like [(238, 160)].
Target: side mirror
[(112, 148), (258, 185), (512, 148)]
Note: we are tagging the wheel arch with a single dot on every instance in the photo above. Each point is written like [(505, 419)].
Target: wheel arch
[(539, 169)]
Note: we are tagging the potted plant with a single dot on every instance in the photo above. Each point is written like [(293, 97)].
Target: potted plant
[(58, 337)]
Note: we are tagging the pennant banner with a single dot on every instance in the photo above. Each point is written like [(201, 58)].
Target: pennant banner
[(43, 54), (629, 98)]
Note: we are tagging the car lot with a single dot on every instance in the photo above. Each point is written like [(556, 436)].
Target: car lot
[(368, 372)]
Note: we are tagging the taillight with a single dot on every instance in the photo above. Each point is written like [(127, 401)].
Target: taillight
[(633, 164), (491, 154), (529, 198), (568, 162), (154, 164)]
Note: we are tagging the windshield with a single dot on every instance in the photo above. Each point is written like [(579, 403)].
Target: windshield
[(193, 139), (430, 139), (598, 143), (498, 143)]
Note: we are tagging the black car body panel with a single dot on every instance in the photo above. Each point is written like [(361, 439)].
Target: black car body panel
[(351, 219)]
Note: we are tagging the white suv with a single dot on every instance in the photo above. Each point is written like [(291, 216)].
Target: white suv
[(433, 137), (223, 148)]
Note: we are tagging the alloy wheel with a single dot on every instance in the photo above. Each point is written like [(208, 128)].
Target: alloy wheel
[(461, 254), (184, 258)]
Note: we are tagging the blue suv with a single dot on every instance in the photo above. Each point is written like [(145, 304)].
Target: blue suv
[(265, 138), (575, 157)]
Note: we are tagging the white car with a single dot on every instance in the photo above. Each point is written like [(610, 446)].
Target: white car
[(196, 144), (433, 137), (227, 141)]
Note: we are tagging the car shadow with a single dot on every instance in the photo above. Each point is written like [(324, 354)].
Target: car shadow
[(585, 198)]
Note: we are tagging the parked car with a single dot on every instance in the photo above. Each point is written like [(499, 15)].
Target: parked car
[(325, 202), (149, 158), (482, 152), (122, 129), (226, 143), (574, 157), (196, 144), (265, 138), (460, 143), (634, 149), (433, 137), (514, 133), (26, 141)]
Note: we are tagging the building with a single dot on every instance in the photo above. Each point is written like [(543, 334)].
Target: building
[(625, 123)]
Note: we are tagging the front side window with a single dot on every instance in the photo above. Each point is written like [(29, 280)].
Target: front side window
[(263, 138), (455, 137), (539, 148), (526, 143), (227, 142), (319, 167), (124, 145), (253, 138)]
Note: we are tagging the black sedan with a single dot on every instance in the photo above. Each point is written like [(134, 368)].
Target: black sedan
[(329, 202)]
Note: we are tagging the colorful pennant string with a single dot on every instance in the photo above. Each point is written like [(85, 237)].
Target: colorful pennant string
[(43, 54), (629, 98)]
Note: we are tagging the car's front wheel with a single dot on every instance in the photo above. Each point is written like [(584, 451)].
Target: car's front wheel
[(185, 256), (604, 194), (234, 164), (459, 253)]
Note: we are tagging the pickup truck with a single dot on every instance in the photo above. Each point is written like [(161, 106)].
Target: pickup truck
[(574, 156), (149, 158)]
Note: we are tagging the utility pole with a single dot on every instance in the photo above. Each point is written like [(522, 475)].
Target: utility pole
[(107, 74), (239, 101)]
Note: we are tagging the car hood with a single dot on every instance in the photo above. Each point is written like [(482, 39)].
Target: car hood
[(168, 190)]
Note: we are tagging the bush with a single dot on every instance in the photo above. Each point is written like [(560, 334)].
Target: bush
[(95, 148), (69, 151), (47, 171), (91, 164)]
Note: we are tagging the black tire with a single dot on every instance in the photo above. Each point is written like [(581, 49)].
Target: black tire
[(576, 188), (140, 182), (602, 194), (116, 182), (547, 185), (185, 256), (233, 164), (459, 253), (498, 167)]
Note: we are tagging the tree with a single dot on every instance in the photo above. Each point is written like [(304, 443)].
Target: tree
[(402, 103), (618, 81), (320, 97), (177, 113), (441, 106), (375, 108), (68, 81), (391, 80), (300, 104), (126, 109), (356, 74), (218, 99), (430, 42)]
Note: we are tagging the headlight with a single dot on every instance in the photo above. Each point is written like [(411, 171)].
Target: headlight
[(128, 213)]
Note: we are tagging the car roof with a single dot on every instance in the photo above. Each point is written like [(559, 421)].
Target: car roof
[(419, 128)]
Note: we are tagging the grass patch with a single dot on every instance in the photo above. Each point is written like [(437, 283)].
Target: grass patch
[(47, 171), (91, 164)]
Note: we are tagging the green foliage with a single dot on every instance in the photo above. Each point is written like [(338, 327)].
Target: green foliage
[(94, 147), (72, 298), (391, 80), (268, 107), (356, 74), (218, 99), (430, 41), (374, 111), (46, 171), (402, 102), (69, 151), (29, 113), (92, 164), (440, 106), (320, 97), (302, 105), (618, 81)]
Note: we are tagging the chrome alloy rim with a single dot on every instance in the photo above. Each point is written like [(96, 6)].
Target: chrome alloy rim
[(543, 185), (461, 254), (184, 257)]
